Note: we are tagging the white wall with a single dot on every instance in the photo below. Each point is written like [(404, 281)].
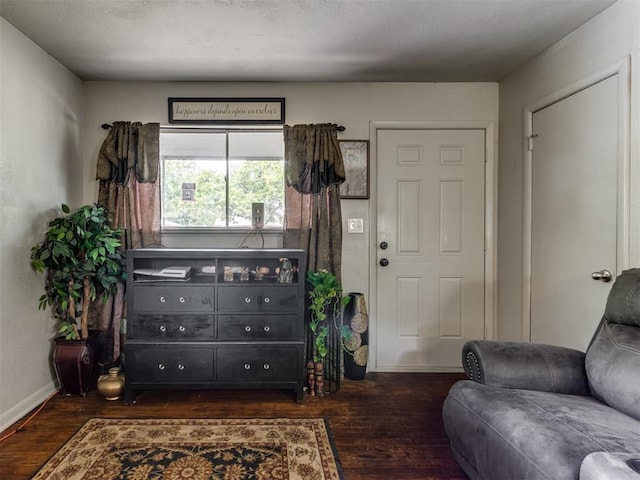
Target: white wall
[(353, 105), (606, 40), (40, 168)]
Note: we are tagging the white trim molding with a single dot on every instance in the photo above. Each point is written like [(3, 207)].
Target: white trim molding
[(19, 410)]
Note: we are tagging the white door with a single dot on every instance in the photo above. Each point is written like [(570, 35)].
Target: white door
[(574, 213), (430, 220)]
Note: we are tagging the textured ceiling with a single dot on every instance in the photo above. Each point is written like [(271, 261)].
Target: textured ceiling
[(296, 40)]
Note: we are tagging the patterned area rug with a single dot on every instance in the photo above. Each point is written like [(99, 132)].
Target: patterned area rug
[(251, 449)]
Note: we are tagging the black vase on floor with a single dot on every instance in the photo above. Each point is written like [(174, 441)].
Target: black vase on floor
[(357, 346)]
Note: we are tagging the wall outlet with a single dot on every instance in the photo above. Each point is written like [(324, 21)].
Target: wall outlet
[(355, 225), (257, 215)]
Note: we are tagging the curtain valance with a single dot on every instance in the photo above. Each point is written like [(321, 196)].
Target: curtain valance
[(312, 157), (130, 146)]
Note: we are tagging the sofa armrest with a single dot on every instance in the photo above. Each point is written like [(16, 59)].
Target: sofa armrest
[(610, 466), (526, 365)]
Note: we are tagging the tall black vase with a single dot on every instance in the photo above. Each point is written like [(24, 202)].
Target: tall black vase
[(357, 346)]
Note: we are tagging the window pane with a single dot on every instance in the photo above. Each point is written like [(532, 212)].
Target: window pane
[(205, 144), (193, 179), (256, 145), (260, 181), (193, 193), (256, 174), (195, 166)]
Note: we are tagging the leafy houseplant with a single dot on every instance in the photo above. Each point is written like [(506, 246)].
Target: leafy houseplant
[(81, 259), (81, 256), (326, 304)]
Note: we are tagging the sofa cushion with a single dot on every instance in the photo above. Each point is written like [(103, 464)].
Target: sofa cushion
[(524, 434), (623, 302), (613, 365), (549, 368)]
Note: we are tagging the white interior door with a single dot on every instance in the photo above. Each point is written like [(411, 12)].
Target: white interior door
[(574, 216), (431, 223)]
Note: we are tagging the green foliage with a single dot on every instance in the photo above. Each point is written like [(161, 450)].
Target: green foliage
[(326, 303), (208, 207), (256, 181), (249, 181), (81, 259)]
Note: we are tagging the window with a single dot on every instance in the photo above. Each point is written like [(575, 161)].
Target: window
[(211, 178)]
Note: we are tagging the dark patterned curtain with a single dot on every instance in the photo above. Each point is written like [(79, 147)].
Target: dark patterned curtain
[(127, 170), (313, 218), (313, 172)]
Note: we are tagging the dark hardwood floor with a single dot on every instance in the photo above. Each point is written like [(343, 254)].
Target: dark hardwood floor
[(386, 427)]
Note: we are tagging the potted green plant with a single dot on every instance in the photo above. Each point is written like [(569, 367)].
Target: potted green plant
[(81, 258), (326, 302)]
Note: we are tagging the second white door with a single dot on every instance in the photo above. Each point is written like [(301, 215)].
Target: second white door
[(431, 224), (574, 215)]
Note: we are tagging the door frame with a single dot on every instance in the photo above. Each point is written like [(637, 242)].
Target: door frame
[(490, 223), (623, 70)]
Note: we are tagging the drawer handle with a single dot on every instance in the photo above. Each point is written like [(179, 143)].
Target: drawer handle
[(182, 299), (182, 328), (266, 366), (247, 300), (267, 328), (163, 299), (180, 366), (267, 299), (163, 328), (161, 366), (247, 328), (247, 366)]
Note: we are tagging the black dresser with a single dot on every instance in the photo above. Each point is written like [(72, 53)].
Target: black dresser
[(223, 318)]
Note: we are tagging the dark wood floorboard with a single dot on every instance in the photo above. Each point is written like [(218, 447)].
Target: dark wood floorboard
[(388, 426)]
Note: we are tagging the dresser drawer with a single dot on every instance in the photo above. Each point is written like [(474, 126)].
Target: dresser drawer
[(257, 364), (162, 299), (169, 364), (257, 299), (147, 326), (258, 327)]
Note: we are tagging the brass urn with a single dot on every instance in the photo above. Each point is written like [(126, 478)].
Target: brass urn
[(111, 385)]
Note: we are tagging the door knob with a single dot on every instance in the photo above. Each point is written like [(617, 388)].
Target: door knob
[(602, 275), (384, 245), (384, 262)]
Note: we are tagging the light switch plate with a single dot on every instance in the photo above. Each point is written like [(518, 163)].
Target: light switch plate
[(355, 225)]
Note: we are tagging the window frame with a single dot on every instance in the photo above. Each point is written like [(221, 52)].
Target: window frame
[(179, 230)]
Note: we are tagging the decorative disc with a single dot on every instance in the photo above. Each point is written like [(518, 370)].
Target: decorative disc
[(353, 342), (360, 355), (359, 323)]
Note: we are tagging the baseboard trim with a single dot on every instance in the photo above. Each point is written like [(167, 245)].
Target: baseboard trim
[(19, 410), (418, 370)]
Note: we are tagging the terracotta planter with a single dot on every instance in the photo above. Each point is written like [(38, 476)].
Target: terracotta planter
[(73, 363)]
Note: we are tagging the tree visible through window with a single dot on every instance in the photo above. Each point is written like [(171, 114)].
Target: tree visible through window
[(211, 178)]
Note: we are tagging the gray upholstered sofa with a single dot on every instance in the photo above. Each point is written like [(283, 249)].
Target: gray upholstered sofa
[(532, 412)]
